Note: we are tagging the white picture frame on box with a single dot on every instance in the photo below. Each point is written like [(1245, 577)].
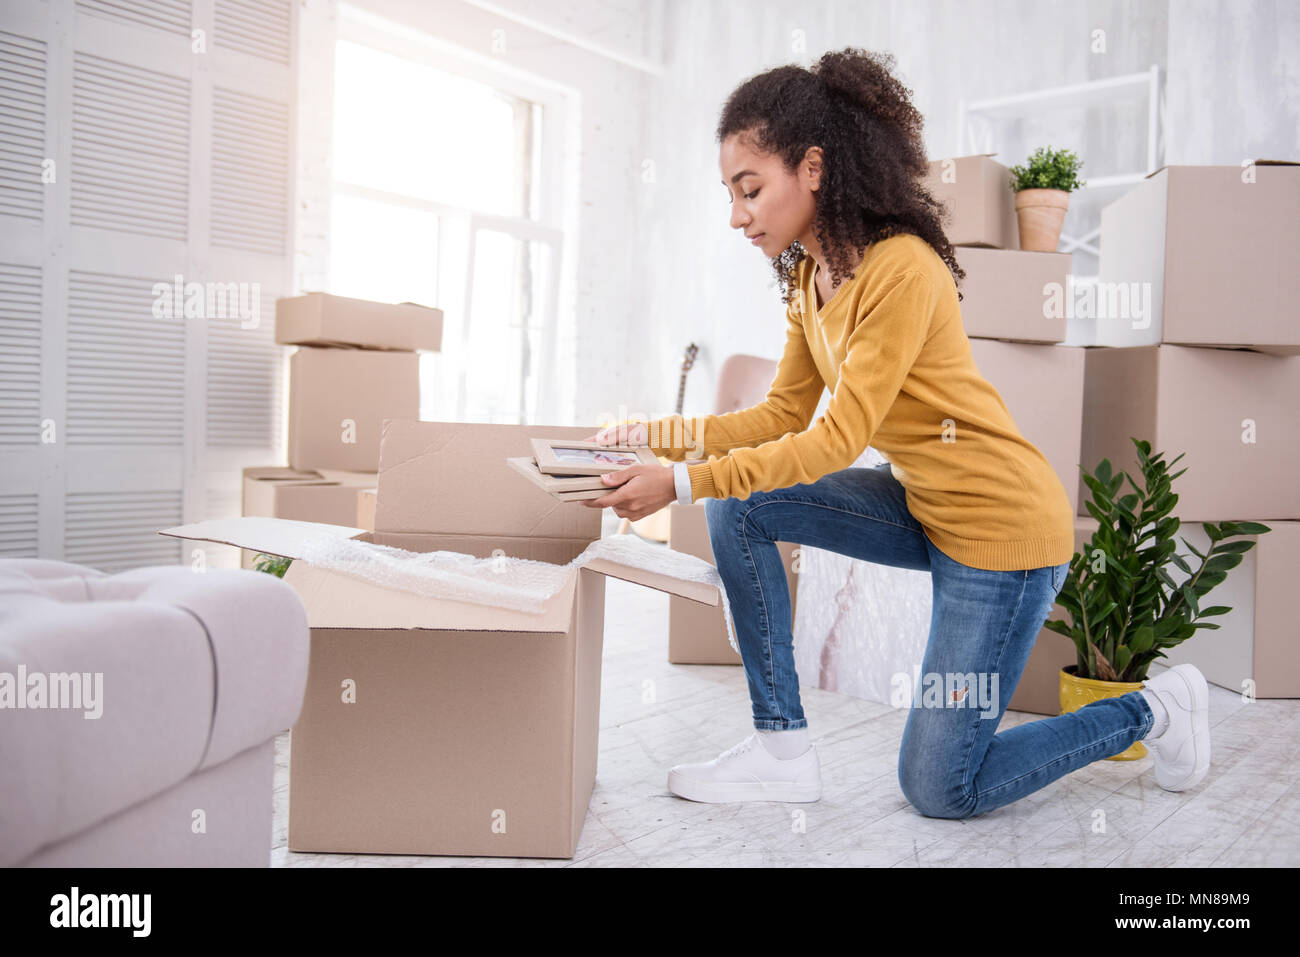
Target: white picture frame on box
[(570, 457)]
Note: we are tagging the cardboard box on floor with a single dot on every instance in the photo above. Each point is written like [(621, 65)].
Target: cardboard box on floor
[(1254, 641), (303, 495), (473, 730), (1005, 294), (976, 191), (366, 500), (338, 400), (697, 633), (1216, 252), (1039, 690), (1230, 413), (1042, 387), (320, 319)]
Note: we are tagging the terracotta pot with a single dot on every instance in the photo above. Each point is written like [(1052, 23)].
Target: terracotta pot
[(1077, 692), (1041, 213)]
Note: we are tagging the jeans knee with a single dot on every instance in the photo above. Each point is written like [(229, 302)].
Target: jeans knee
[(926, 789)]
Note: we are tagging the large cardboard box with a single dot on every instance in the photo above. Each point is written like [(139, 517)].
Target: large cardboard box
[(275, 491), (976, 191), (1230, 413), (320, 319), (433, 726), (1042, 386), (1039, 690), (697, 633), (1214, 253), (338, 400), (1010, 294)]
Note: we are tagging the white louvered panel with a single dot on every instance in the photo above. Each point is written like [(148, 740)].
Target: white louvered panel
[(170, 15), (22, 125), (116, 531), (126, 369), (257, 27), (130, 148), (250, 172), (18, 528), (245, 382), (20, 354)]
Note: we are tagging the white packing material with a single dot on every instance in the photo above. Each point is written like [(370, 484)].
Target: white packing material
[(520, 584)]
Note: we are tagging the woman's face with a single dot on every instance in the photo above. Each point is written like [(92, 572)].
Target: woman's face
[(767, 201)]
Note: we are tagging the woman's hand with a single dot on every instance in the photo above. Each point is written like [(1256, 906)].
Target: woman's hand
[(639, 490), (623, 434)]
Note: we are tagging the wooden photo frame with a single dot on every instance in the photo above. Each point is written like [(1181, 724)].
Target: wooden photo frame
[(572, 488), (570, 457)]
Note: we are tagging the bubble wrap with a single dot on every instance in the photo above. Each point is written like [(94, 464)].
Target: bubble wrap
[(520, 584)]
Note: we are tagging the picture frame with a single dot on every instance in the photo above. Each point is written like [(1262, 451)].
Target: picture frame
[(569, 457), (570, 489)]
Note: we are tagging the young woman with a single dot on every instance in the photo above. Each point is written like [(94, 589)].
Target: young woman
[(823, 168)]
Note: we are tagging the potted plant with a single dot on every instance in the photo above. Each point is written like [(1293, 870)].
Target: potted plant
[(1124, 605), (271, 564), (1043, 195)]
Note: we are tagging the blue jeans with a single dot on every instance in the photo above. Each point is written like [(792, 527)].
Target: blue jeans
[(951, 762)]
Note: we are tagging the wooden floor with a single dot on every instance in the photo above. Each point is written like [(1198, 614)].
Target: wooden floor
[(1246, 813)]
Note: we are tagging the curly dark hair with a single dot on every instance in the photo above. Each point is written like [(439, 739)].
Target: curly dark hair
[(874, 161)]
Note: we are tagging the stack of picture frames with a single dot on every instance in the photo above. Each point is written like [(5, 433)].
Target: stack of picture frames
[(571, 470)]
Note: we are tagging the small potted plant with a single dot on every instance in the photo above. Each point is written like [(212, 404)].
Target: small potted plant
[(1043, 195), (1124, 605)]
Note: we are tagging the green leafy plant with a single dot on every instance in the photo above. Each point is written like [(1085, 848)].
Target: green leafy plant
[(1048, 169), (1122, 613), (271, 564)]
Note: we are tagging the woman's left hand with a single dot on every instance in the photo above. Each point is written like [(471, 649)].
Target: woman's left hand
[(638, 491)]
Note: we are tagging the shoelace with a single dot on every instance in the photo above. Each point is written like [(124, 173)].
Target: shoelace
[(740, 748)]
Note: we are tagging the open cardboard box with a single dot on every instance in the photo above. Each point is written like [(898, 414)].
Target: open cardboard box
[(434, 726)]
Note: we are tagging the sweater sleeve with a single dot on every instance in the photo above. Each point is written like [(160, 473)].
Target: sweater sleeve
[(788, 407), (890, 330)]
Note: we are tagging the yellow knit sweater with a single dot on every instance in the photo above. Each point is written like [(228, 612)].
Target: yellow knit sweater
[(891, 348)]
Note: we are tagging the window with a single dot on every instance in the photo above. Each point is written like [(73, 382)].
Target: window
[(438, 196)]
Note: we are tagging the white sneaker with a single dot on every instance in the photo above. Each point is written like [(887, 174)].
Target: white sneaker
[(749, 772), (1182, 751)]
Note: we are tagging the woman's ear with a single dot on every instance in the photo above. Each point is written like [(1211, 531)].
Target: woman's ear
[(813, 167)]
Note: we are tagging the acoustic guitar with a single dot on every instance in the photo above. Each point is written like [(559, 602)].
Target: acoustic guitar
[(655, 525)]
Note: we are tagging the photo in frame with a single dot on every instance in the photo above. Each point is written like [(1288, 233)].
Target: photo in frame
[(569, 457)]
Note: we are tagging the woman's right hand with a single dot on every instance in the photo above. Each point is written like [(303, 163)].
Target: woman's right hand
[(623, 434)]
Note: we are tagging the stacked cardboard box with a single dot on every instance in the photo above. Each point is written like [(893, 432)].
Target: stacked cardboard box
[(357, 363), (436, 726), (1190, 343)]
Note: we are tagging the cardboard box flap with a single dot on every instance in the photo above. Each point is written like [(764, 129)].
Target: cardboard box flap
[(696, 591), (452, 478), (274, 536), (338, 600)]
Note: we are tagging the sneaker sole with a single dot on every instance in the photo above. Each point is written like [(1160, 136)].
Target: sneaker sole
[(1200, 694), (732, 792)]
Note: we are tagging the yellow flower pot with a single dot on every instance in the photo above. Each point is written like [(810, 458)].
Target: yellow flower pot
[(1077, 692)]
